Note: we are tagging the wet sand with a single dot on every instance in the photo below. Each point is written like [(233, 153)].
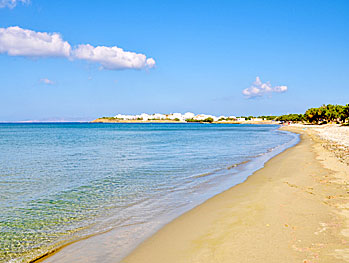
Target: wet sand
[(295, 209)]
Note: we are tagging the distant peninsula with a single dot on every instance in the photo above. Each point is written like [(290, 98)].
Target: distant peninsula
[(184, 118), (322, 115)]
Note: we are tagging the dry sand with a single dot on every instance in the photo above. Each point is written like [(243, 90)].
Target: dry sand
[(295, 209), (332, 132)]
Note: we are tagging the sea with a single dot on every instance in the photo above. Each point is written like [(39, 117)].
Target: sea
[(63, 182)]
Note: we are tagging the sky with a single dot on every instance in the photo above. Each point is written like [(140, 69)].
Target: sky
[(79, 60)]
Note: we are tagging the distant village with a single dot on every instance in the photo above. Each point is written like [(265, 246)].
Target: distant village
[(186, 117), (322, 115)]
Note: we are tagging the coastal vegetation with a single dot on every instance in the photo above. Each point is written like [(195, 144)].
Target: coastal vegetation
[(324, 114), (327, 113), (209, 120), (227, 119), (263, 117), (291, 117), (268, 118), (109, 118)]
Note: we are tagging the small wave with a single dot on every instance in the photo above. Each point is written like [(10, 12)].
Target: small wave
[(207, 174), (220, 169), (237, 164)]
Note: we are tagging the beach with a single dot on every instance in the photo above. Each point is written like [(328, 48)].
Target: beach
[(295, 209), (286, 202)]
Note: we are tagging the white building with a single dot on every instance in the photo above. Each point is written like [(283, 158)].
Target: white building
[(188, 115), (174, 116), (201, 117), (157, 116), (144, 116)]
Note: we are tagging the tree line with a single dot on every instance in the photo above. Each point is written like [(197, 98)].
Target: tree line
[(321, 115)]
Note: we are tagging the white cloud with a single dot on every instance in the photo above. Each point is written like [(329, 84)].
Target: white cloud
[(16, 41), (280, 89), (12, 3), (112, 57), (258, 89), (47, 81)]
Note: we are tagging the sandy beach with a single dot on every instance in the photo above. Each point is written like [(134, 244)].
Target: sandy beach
[(295, 209)]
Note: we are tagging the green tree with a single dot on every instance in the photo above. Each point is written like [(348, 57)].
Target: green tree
[(311, 115), (345, 113), (209, 119), (291, 117), (327, 113)]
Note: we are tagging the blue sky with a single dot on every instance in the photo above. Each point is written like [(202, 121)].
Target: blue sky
[(206, 54)]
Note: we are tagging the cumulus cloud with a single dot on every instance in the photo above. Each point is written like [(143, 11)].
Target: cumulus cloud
[(259, 89), (112, 57), (16, 41), (12, 3), (46, 81)]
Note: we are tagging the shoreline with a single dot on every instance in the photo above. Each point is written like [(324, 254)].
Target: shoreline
[(72, 251), (174, 241), (295, 209)]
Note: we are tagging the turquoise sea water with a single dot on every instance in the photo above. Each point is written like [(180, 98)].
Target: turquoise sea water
[(62, 182)]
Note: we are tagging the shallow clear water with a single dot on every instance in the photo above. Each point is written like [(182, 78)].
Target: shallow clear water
[(61, 182)]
